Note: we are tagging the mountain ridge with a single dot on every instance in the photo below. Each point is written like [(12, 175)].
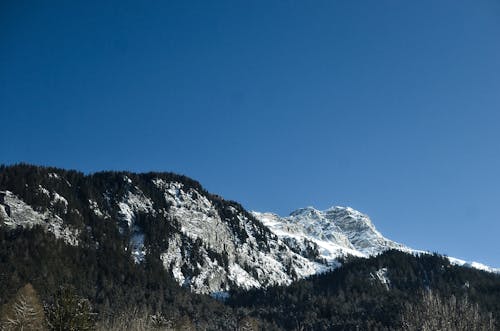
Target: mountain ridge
[(210, 245), (368, 241)]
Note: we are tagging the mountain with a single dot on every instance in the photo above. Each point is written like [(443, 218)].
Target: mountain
[(207, 243), (159, 243)]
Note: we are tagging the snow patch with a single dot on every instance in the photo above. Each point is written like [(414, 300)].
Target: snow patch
[(59, 200), (96, 210), (53, 175), (43, 190), (242, 278), (475, 265), (381, 276), (137, 245), (133, 203), (172, 259), (126, 213), (22, 214)]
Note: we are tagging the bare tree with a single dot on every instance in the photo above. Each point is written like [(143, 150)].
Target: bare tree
[(24, 312), (435, 313), (136, 320)]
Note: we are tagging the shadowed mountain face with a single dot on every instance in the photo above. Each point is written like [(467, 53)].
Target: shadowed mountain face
[(208, 244)]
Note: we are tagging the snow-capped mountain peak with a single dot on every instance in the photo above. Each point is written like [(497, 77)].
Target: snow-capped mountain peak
[(338, 232), (335, 232)]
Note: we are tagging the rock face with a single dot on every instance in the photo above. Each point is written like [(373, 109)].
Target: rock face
[(3, 207), (15, 212), (232, 248)]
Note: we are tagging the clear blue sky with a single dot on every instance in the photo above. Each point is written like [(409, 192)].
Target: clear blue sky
[(391, 107)]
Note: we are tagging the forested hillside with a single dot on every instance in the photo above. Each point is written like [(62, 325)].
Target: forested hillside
[(381, 293)]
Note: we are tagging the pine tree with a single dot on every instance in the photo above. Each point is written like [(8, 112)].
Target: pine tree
[(69, 312)]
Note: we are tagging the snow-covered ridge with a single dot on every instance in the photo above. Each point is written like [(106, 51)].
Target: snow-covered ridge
[(335, 232), (338, 232), (475, 265)]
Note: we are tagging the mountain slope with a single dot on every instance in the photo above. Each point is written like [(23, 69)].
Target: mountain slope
[(209, 244)]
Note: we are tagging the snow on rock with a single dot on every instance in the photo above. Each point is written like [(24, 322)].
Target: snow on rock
[(360, 231), (43, 190), (172, 258), (381, 276), (57, 200), (137, 245), (53, 175), (211, 276), (335, 233), (15, 212), (475, 265), (132, 203), (197, 216), (308, 233), (60, 201), (249, 264), (126, 213), (96, 210), (241, 277)]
